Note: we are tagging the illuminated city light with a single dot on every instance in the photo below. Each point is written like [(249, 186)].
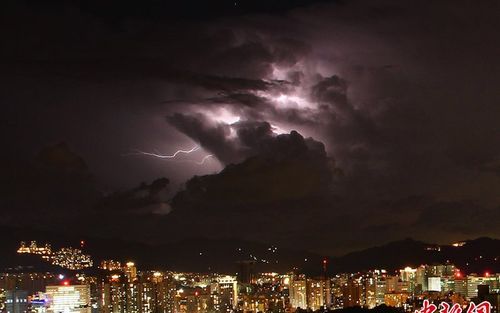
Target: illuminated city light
[(129, 289), (69, 258), (110, 265), (72, 259), (45, 251), (68, 298)]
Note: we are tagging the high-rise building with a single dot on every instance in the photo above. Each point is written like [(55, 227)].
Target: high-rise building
[(409, 275), (441, 270), (391, 283), (447, 283), (226, 291), (314, 288), (474, 281), (370, 299), (113, 296), (460, 286), (16, 301), (131, 271), (352, 292), (298, 293), (165, 291), (246, 272), (380, 290), (2, 300), (68, 299), (337, 284), (421, 278), (434, 283)]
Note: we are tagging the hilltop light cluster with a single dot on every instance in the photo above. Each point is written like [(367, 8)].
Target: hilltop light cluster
[(69, 258)]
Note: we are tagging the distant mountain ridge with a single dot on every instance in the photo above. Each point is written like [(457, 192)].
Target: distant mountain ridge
[(474, 256), (221, 255)]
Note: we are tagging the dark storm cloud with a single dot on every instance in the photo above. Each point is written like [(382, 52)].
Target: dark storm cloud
[(211, 137), (241, 140), (56, 185), (238, 99), (402, 95), (144, 199), (222, 83), (285, 173)]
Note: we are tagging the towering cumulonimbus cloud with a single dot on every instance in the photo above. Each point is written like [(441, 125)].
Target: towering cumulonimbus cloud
[(402, 96), (384, 112)]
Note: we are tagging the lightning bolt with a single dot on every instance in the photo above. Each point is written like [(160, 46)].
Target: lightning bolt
[(172, 157), (204, 159), (156, 154)]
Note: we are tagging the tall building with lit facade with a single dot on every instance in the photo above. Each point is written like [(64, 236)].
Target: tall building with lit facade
[(336, 286), (298, 293), (352, 292), (474, 281), (225, 293), (315, 294), (434, 283), (370, 299), (68, 299), (112, 296), (460, 286), (149, 292), (380, 290), (16, 301), (164, 292), (421, 278), (441, 270), (409, 275), (131, 271)]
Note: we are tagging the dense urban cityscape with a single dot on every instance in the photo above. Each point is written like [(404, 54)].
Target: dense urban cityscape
[(116, 286), (250, 156)]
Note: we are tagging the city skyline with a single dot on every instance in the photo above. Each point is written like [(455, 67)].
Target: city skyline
[(126, 288)]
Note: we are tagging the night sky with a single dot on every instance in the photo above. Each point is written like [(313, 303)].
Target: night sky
[(328, 126)]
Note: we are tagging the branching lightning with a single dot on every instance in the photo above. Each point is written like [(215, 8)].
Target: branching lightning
[(166, 156), (204, 159), (174, 156)]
